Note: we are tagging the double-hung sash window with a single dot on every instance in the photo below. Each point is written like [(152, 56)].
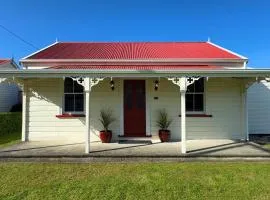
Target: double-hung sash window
[(195, 96), (73, 97)]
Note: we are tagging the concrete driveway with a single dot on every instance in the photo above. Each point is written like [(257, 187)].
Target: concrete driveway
[(196, 148)]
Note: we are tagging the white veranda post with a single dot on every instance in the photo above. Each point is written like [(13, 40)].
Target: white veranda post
[(24, 110), (87, 89), (88, 83), (183, 90), (183, 82)]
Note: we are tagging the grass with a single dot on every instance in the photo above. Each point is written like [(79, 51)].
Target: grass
[(135, 181)]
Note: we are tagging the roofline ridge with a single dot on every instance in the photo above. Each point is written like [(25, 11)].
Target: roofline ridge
[(46, 47), (227, 50)]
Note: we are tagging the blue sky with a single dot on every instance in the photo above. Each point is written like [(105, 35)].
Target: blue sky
[(239, 25)]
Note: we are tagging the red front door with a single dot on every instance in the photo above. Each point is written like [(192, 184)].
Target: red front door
[(134, 108)]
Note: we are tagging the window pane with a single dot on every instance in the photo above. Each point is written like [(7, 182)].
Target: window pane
[(69, 102), (190, 88), (128, 95), (199, 85), (140, 95), (78, 88), (68, 85), (79, 105), (198, 106), (189, 102)]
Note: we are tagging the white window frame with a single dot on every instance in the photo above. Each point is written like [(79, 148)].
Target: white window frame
[(204, 103), (73, 93)]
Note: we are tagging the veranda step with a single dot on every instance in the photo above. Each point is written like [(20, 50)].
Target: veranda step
[(152, 139)]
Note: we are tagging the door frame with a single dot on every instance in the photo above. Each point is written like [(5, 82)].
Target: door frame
[(147, 107)]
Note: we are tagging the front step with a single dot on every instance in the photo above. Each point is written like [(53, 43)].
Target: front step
[(152, 139)]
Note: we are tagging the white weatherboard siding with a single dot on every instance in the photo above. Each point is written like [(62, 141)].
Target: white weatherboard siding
[(259, 108), (9, 93), (8, 96), (223, 101), (46, 102)]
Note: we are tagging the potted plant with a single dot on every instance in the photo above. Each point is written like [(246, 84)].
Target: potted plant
[(106, 119), (163, 122)]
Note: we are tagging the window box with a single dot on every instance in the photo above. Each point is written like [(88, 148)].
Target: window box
[(197, 115), (64, 116)]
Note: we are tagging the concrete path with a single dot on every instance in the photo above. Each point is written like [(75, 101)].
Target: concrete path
[(196, 148)]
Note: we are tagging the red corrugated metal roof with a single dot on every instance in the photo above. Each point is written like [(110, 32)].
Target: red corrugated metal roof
[(134, 50), (3, 61), (136, 67)]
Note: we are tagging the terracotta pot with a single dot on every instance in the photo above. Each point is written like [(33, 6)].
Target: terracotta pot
[(105, 136), (164, 135)]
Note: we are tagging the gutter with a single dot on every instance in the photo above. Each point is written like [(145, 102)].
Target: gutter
[(54, 73)]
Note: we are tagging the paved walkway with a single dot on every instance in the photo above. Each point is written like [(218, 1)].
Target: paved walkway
[(196, 148)]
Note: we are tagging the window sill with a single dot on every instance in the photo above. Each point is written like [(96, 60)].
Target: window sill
[(197, 115), (64, 116)]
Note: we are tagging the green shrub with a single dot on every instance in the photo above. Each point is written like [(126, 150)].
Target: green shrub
[(163, 121), (10, 123)]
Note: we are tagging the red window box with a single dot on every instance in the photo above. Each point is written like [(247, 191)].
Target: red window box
[(66, 115), (197, 115)]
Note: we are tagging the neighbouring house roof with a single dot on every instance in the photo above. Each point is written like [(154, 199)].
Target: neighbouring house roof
[(133, 51), (6, 63), (135, 67)]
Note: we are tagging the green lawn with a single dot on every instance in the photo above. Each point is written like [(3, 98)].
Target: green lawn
[(135, 181), (267, 146)]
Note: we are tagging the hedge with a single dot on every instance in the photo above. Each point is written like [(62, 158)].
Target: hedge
[(10, 123)]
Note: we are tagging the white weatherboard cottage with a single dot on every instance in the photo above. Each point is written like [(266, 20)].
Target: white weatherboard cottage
[(9, 93), (200, 84)]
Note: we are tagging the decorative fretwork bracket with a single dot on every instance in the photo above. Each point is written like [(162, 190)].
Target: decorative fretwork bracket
[(95, 81), (82, 81), (175, 80), (79, 80), (191, 80), (184, 82)]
